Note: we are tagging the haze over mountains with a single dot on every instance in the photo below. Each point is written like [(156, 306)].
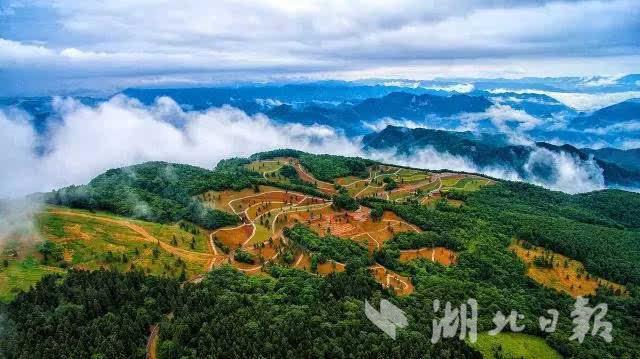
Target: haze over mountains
[(570, 134), (536, 162)]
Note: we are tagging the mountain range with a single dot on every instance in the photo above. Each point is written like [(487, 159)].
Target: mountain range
[(487, 125), (619, 167)]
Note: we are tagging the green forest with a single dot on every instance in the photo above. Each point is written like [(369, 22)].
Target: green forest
[(291, 313)]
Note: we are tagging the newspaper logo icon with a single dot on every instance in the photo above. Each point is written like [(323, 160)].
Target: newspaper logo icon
[(388, 318)]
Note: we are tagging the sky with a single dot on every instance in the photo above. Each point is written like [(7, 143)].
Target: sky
[(58, 46)]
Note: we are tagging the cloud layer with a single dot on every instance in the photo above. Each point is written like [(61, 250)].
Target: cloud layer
[(119, 132), (557, 171), (86, 43), (579, 101)]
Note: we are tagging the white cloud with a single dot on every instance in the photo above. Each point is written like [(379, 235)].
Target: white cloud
[(501, 116), (579, 101), (401, 83), (568, 173), (17, 143), (427, 158), (460, 88), (17, 219), (15, 51), (557, 171), (599, 81), (630, 144), (268, 102), (143, 41), (626, 126), (382, 123), (513, 99), (121, 131)]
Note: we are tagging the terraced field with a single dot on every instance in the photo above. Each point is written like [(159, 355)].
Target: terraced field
[(98, 240), (267, 211)]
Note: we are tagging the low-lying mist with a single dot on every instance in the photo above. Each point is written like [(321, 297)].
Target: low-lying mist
[(121, 131), (17, 219), (556, 171)]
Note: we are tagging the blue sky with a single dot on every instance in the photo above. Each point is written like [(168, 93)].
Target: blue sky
[(65, 46)]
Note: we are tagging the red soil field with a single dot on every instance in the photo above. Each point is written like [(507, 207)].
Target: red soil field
[(303, 261), (441, 255), (401, 285), (235, 236)]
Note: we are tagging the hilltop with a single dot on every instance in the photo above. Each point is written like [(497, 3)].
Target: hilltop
[(282, 248)]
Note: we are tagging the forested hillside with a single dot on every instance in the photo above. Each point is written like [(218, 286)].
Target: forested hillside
[(155, 191), (495, 150), (292, 309)]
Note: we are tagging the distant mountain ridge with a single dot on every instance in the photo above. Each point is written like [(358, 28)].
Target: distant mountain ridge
[(405, 105), (624, 158), (495, 151), (356, 108), (398, 105), (628, 110)]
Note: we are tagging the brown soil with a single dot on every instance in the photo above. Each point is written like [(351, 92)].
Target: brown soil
[(399, 284), (441, 255), (234, 236), (567, 275)]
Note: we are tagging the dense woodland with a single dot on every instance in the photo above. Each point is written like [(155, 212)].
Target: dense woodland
[(156, 191), (292, 313), (86, 315)]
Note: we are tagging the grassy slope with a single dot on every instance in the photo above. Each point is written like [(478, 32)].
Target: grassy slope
[(86, 242), (514, 345), (22, 274)]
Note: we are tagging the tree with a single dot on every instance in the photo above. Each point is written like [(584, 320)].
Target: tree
[(376, 213), (50, 250)]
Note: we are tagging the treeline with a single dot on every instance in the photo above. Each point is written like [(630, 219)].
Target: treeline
[(323, 167), (598, 229), (156, 191)]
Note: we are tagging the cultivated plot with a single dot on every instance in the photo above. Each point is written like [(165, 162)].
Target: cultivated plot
[(561, 273)]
